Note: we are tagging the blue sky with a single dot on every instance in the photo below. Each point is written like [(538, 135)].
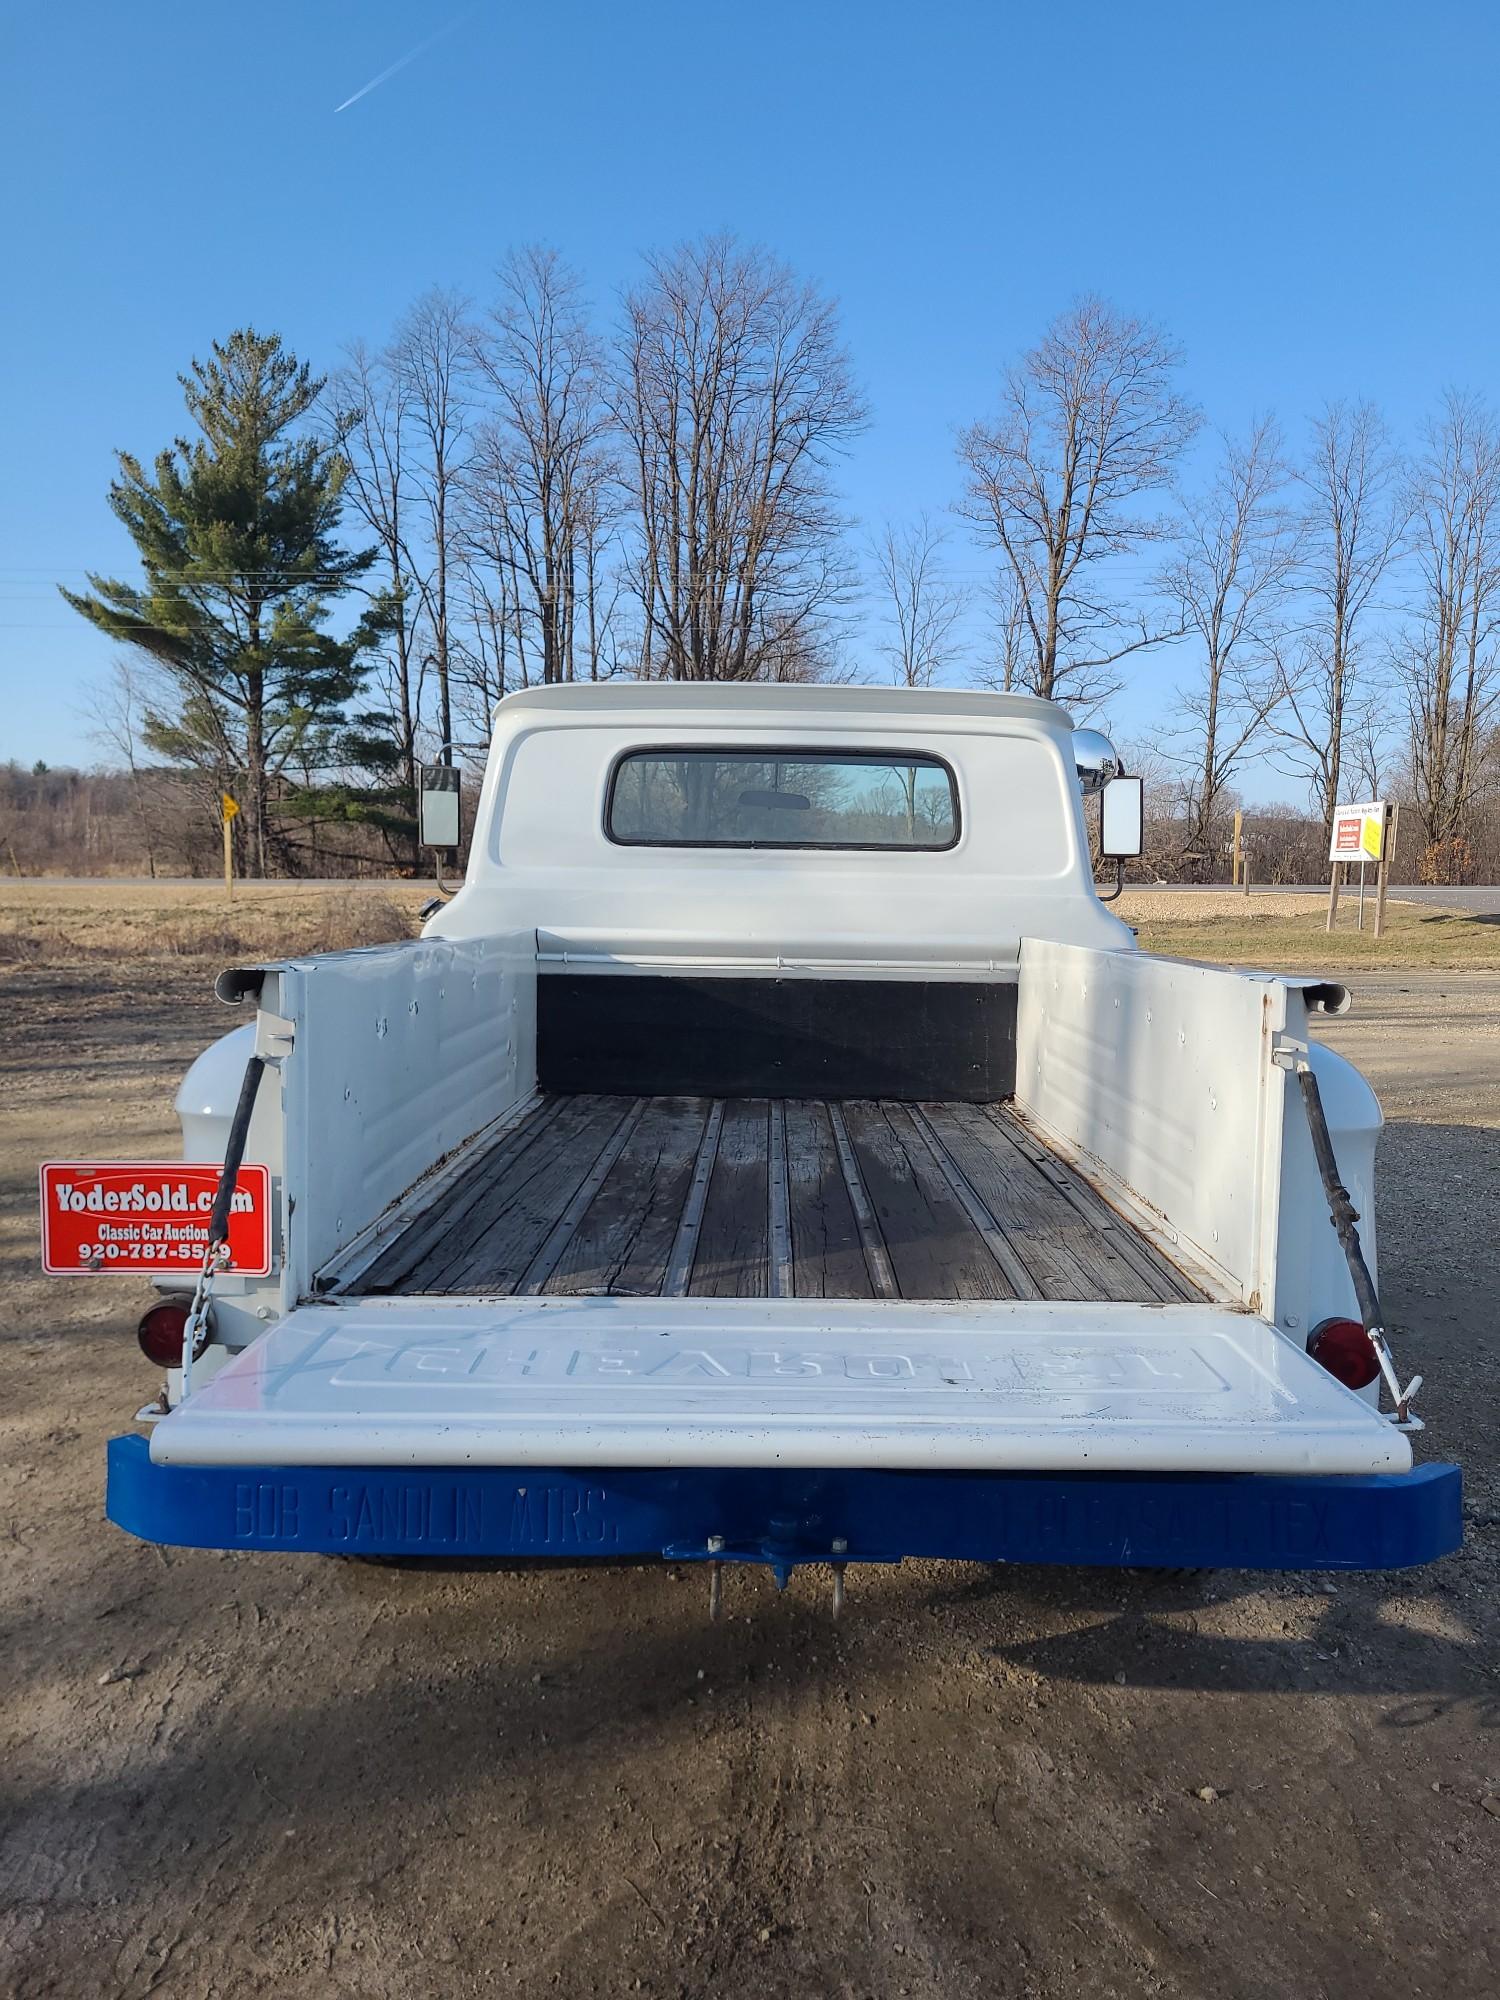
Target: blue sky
[(1304, 194)]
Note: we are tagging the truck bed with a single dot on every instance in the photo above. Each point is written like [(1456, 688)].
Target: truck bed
[(671, 1196)]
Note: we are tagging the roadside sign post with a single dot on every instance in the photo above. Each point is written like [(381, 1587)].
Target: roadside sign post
[(1360, 833), (1383, 873), (228, 808), (1240, 870)]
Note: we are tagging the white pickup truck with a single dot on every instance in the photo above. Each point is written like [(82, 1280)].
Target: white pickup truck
[(777, 1152)]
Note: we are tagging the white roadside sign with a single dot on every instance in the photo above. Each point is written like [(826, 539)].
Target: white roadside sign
[(1358, 831)]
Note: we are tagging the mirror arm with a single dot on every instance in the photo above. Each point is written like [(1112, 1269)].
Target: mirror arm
[(1114, 893)]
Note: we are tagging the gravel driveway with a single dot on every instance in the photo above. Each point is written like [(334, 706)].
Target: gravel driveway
[(235, 1774)]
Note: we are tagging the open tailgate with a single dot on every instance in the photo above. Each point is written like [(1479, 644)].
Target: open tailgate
[(595, 1382)]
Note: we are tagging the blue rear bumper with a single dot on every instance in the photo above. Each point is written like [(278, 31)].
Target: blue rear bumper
[(786, 1517)]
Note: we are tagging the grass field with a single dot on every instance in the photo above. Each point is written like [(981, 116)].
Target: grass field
[(1287, 933), (47, 922)]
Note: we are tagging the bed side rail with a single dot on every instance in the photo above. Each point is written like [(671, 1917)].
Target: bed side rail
[(1160, 1077), (389, 1059)]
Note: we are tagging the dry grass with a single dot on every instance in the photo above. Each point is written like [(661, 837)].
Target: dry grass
[(1286, 933), (44, 923)]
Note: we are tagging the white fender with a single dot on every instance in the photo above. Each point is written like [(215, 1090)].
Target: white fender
[(207, 1095)]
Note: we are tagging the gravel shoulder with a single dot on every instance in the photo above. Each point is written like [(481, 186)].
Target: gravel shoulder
[(236, 1774)]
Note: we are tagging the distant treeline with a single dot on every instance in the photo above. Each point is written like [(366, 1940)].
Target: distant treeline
[(158, 822), (155, 821)]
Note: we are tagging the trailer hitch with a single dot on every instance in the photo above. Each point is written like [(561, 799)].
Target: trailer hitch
[(785, 1547), (1345, 1219)]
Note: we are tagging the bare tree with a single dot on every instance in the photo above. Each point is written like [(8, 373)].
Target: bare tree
[(371, 403), (489, 636), (1090, 422), (1353, 527), (1003, 664), (1448, 661), (430, 355), (119, 706), (1229, 578), (921, 605), (177, 806), (734, 393), (604, 635), (1367, 753), (542, 471)]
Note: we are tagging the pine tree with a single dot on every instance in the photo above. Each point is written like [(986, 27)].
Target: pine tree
[(237, 535)]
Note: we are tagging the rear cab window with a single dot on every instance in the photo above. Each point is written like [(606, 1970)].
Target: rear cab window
[(864, 801)]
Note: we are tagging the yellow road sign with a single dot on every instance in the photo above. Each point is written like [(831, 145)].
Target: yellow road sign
[(230, 807)]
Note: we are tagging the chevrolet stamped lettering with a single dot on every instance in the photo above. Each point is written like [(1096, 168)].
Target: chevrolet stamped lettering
[(1079, 1369)]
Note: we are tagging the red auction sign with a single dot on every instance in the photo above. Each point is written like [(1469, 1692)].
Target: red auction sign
[(139, 1218)]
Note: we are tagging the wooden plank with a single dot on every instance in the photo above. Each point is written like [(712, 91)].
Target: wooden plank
[(624, 1241), (779, 1207), (872, 1200), (1014, 1269), (545, 1260), (1053, 1241), (877, 1257), (934, 1248), (444, 1222), (685, 1242), (1155, 1267), (1114, 1238), (733, 1244), (506, 1230), (828, 1258)]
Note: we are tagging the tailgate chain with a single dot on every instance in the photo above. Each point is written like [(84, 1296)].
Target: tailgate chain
[(1345, 1219), (195, 1334)]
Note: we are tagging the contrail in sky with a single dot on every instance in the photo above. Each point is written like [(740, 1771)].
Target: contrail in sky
[(401, 62)]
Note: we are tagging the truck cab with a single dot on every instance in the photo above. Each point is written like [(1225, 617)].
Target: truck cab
[(777, 1152)]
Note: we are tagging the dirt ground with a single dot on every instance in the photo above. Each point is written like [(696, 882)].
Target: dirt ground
[(227, 1774)]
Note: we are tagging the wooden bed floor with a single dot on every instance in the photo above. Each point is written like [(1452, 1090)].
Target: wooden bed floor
[(773, 1197)]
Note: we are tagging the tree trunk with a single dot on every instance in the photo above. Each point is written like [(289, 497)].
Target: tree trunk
[(255, 756), (255, 779)]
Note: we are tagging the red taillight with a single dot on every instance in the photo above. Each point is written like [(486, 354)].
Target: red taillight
[(160, 1332), (1343, 1347)]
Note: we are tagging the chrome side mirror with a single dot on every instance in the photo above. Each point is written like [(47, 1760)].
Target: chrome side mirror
[(1095, 759), (437, 805), (1122, 820)]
